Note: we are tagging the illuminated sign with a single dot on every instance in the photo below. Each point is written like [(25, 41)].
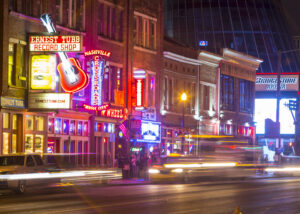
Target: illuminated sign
[(11, 102), (139, 75), (266, 108), (150, 132), (139, 93), (43, 70), (97, 66), (114, 113), (57, 43), (49, 101), (203, 43), (269, 83), (95, 108), (97, 52)]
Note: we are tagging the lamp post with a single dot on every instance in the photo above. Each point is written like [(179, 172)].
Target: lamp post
[(183, 98)]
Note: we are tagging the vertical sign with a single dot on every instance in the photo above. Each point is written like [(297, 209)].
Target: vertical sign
[(139, 93), (97, 66)]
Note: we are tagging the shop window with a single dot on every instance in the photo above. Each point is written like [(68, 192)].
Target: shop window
[(85, 129), (5, 120), (79, 128), (39, 123), (14, 144), (66, 146), (5, 145), (14, 122), (72, 127), (66, 127), (51, 125), (29, 122), (39, 141), (98, 127), (57, 126), (111, 128), (28, 143)]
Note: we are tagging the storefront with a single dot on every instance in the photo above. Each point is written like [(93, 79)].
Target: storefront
[(22, 131)]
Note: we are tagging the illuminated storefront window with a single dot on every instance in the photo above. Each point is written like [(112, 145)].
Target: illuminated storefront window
[(5, 145), (6, 120), (39, 123), (14, 121), (39, 139), (14, 144), (51, 125), (79, 129), (66, 127), (85, 129), (28, 143), (111, 128), (29, 122), (72, 127), (57, 126)]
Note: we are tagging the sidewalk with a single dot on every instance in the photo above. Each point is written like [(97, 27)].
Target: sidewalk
[(133, 181)]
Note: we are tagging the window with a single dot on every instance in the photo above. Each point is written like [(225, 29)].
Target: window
[(39, 123), (145, 32), (39, 142), (110, 22), (16, 63), (59, 11), (38, 160), (85, 128), (14, 121), (28, 122), (51, 125), (5, 145), (6, 119), (227, 92), (78, 16), (28, 143), (112, 84), (79, 128), (246, 101), (57, 126), (151, 90), (29, 162), (14, 144), (206, 100), (165, 93), (170, 93), (66, 127), (72, 127)]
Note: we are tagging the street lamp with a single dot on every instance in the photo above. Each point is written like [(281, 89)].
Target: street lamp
[(183, 98)]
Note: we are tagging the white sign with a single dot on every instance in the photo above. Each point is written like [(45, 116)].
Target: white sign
[(149, 114), (269, 83), (49, 101)]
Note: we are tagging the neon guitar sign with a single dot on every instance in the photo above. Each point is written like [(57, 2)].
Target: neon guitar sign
[(72, 77)]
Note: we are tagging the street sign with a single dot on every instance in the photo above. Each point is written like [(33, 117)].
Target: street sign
[(293, 105)]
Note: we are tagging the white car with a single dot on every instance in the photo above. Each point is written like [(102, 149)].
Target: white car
[(16, 171)]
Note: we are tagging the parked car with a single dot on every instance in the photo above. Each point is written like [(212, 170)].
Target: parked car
[(17, 171)]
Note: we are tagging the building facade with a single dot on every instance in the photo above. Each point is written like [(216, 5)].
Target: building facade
[(119, 37)]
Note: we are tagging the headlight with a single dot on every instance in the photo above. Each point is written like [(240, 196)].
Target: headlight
[(153, 171), (177, 170)]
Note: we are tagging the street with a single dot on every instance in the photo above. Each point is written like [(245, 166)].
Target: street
[(273, 195)]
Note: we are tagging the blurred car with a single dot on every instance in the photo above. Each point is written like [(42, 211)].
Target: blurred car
[(17, 171)]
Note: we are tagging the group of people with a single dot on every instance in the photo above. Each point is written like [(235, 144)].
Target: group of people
[(136, 166)]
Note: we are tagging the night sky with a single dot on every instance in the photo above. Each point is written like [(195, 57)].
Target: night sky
[(292, 13)]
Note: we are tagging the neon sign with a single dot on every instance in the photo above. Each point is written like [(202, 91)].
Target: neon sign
[(55, 43), (95, 108), (114, 113), (97, 66), (151, 132), (97, 52), (139, 93)]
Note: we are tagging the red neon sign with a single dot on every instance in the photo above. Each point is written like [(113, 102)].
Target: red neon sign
[(139, 93), (95, 108), (97, 52)]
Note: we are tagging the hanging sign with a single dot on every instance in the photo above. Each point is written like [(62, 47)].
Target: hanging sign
[(97, 66)]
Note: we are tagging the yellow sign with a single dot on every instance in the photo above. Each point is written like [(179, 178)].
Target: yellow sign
[(43, 70)]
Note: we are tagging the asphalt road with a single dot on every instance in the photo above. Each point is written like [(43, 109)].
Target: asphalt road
[(255, 196)]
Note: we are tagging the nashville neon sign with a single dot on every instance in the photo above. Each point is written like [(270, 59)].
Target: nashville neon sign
[(97, 79), (97, 52)]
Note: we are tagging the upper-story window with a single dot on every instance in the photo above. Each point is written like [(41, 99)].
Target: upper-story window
[(70, 13), (144, 31), (227, 92), (16, 63), (112, 84), (150, 90), (246, 91), (28, 7), (110, 22)]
